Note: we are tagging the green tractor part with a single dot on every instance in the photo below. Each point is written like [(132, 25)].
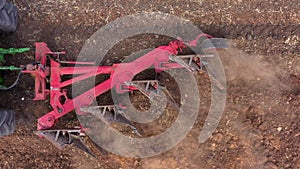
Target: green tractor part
[(11, 68), (11, 51)]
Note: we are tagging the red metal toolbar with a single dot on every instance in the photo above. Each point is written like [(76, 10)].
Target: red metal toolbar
[(120, 73)]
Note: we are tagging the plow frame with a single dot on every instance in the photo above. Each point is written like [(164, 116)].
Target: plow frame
[(120, 73)]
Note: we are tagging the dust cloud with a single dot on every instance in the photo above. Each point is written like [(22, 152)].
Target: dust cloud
[(239, 65)]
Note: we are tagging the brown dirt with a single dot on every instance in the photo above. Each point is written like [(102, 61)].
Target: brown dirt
[(260, 127)]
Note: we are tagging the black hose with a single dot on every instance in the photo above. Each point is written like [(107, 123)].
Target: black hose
[(14, 84)]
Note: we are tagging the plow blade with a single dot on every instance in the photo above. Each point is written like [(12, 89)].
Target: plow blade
[(62, 138), (109, 114)]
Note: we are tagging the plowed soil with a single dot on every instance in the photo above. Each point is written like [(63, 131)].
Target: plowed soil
[(260, 126)]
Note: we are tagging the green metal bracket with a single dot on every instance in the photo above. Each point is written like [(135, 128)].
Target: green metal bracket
[(11, 51), (10, 68)]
